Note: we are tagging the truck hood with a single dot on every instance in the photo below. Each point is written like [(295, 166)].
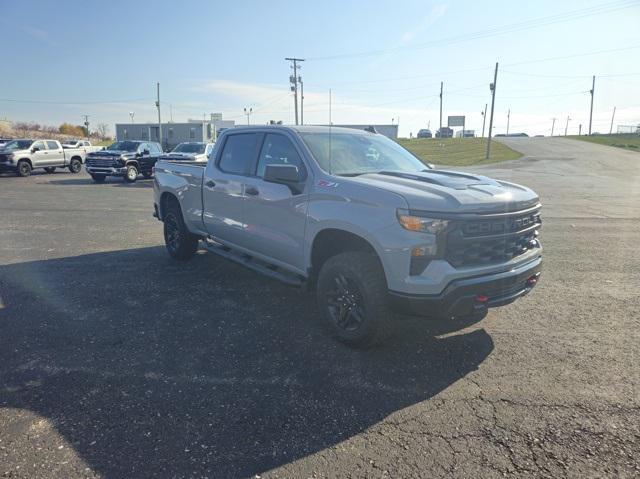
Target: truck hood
[(442, 191), (111, 154)]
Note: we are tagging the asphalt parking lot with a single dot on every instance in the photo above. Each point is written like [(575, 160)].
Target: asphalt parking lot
[(117, 362)]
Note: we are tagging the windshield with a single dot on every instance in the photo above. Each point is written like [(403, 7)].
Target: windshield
[(18, 145), (124, 146), (355, 154), (197, 148)]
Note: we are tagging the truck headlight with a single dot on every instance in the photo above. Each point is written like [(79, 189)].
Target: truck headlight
[(421, 224)]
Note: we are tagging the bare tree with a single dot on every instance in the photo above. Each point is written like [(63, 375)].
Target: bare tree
[(103, 130)]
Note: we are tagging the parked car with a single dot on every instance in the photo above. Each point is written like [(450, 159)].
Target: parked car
[(444, 132), (424, 133), (85, 144), (125, 158), (24, 156), (189, 151), (4, 141), (371, 233)]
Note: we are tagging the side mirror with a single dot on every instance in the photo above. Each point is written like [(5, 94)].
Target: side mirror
[(34, 149), (287, 174)]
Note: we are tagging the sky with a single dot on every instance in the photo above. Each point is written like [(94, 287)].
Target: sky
[(382, 60)]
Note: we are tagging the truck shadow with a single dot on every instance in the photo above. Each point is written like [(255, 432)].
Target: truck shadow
[(152, 367)]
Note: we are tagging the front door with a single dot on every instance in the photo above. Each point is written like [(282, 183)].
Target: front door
[(275, 215), (223, 187), (39, 158)]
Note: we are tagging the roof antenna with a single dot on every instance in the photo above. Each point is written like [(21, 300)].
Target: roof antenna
[(330, 166)]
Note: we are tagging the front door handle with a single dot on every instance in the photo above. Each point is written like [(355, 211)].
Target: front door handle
[(252, 190), (210, 184)]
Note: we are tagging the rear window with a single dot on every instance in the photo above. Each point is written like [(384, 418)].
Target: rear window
[(238, 153)]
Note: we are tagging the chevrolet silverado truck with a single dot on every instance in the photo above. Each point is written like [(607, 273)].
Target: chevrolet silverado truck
[(189, 151), (359, 219), (126, 159), (24, 156), (82, 144)]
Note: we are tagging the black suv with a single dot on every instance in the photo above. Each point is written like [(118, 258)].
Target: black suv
[(125, 158)]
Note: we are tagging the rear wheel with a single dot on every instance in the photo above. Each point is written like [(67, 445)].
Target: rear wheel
[(131, 175), (98, 178), (50, 169), (352, 295), (75, 165), (181, 243), (23, 169)]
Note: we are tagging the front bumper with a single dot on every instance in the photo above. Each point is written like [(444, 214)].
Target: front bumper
[(468, 296), (4, 167), (103, 170)]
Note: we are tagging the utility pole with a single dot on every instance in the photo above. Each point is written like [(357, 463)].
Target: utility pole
[(580, 129), (248, 113), (553, 125), (159, 120), (612, 117), (593, 87), (441, 83), (301, 100), (492, 87), (293, 79), (484, 118), (566, 126), (508, 116), (86, 123)]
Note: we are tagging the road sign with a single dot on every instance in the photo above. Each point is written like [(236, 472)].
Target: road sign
[(455, 121)]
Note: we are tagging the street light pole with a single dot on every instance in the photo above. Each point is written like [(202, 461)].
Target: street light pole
[(484, 118), (248, 113), (566, 126)]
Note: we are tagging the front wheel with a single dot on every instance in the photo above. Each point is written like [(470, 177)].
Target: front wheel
[(24, 168), (181, 243), (75, 165), (352, 296), (131, 175)]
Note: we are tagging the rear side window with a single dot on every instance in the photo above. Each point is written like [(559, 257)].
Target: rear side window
[(277, 150), (238, 153), (52, 145)]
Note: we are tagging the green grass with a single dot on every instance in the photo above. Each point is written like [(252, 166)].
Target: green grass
[(458, 151), (628, 141)]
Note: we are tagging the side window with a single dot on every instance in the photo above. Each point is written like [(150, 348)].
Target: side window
[(39, 145), (238, 153), (277, 150), (52, 145), (155, 148)]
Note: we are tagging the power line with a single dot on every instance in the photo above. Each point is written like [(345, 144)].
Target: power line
[(499, 30)]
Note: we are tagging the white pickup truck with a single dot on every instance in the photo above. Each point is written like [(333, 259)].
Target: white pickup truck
[(23, 156), (81, 144)]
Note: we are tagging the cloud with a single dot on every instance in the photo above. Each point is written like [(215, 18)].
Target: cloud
[(432, 17), (38, 34)]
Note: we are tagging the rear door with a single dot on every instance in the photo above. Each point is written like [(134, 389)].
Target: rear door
[(55, 153), (223, 187), (275, 215)]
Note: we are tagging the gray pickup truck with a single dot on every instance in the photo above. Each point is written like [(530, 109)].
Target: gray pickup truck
[(24, 156), (358, 218)]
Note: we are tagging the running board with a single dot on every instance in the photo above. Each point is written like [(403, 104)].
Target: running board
[(255, 264)]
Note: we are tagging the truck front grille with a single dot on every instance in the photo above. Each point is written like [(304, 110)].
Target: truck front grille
[(101, 162), (489, 241)]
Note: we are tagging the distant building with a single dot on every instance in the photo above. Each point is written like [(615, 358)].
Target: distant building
[(172, 133), (390, 131)]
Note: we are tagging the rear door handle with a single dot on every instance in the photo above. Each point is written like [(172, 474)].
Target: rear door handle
[(252, 190), (210, 184)]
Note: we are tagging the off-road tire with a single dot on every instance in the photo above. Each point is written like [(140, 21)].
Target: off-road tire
[(23, 169), (366, 297), (75, 166), (180, 242)]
